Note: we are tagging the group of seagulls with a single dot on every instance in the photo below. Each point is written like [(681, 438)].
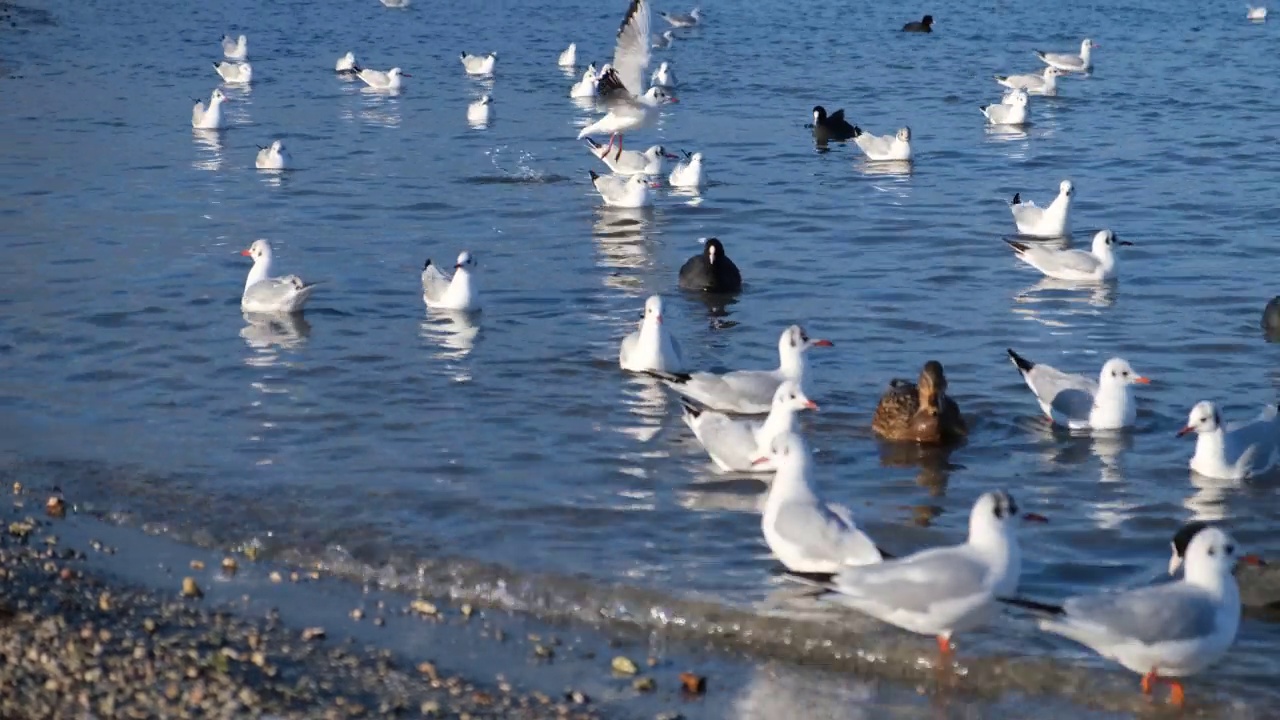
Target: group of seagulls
[(746, 420)]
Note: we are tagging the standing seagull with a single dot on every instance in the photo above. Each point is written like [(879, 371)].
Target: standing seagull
[(1047, 222), (445, 293), (1231, 452), (620, 85), (266, 294), (711, 270), (237, 49), (683, 21), (1094, 265), (1078, 403), (651, 347), (1081, 63)]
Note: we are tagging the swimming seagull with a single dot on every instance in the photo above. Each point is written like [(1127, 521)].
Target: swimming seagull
[(631, 162), (395, 3), (924, 25), (569, 57), (479, 64), (688, 172), (1011, 110), (620, 84), (586, 87), (885, 147), (457, 293), (1256, 13), (651, 346), (748, 392), (1094, 265), (1071, 63), (209, 118), (743, 444), (346, 64), (237, 49), (1047, 222), (623, 192), (711, 270), (664, 76), (1232, 452), (683, 21), (234, 73), (479, 112), (830, 127), (379, 80), (273, 157), (809, 536), (266, 294), (1079, 403), (665, 39), (1165, 631), (1045, 83), (945, 590)]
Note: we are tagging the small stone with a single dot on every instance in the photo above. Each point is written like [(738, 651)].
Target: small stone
[(379, 621), (20, 529), (430, 708), (466, 610), (56, 507), (190, 589), (17, 488), (104, 602), (276, 577), (197, 564), (693, 684), (66, 573), (293, 577), (669, 715), (644, 684), (172, 691), (577, 697), (428, 669), (357, 614), (651, 661), (623, 665), (313, 633), (423, 607), (251, 552), (258, 658), (229, 565), (149, 625), (543, 651)]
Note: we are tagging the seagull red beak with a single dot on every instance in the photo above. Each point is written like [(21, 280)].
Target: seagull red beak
[(811, 405), (1034, 518), (760, 460), (246, 252), (1142, 380), (1185, 430), (457, 267), (822, 343), (673, 100), (654, 185), (1253, 560)]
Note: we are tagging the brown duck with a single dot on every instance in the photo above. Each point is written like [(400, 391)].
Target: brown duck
[(919, 412)]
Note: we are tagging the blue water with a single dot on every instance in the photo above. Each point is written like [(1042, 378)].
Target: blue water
[(466, 453)]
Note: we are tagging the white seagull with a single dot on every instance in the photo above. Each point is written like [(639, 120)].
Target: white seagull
[(1165, 631), (1093, 265), (651, 347), (586, 87), (688, 173), (456, 293), (1078, 403), (273, 157), (748, 392), (208, 118), (807, 535), (623, 191), (884, 147), (742, 444), (1256, 13), (665, 39), (479, 112), (237, 49), (569, 57), (664, 76), (621, 83), (1071, 63), (1045, 83), (1011, 110), (266, 294), (479, 64), (632, 162), (1047, 222), (944, 590), (379, 80), (234, 73), (1232, 452), (683, 21), (346, 64)]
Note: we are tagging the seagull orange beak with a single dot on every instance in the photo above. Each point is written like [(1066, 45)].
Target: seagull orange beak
[(246, 252), (1253, 560), (811, 405), (1034, 518), (1185, 430), (1142, 380), (822, 343), (760, 460)]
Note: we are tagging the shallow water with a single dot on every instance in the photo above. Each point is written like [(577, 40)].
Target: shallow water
[(506, 455)]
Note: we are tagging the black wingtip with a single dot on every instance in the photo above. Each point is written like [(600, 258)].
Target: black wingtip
[(427, 264), (1017, 246), (215, 64), (592, 144), (885, 554), (690, 408), (631, 12), (1022, 363), (594, 176), (677, 378), (856, 131), (812, 578), (1017, 199), (1033, 605)]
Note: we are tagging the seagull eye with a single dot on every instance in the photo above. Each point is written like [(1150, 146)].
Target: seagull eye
[(1212, 552), (1230, 549)]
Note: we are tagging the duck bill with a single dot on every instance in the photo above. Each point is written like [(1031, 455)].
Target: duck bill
[(1034, 518)]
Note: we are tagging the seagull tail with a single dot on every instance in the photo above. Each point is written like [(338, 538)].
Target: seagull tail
[(690, 408), (1018, 247), (1032, 605), (1024, 365), (1039, 54), (594, 145), (427, 264), (674, 378), (1017, 199), (594, 175)]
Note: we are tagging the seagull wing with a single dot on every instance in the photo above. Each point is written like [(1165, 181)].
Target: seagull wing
[(631, 56)]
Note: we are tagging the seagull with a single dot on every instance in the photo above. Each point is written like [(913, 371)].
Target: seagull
[(632, 162), (1256, 13), (748, 392), (586, 87), (742, 444), (379, 80), (1078, 403), (665, 39), (346, 64), (621, 83), (683, 21), (234, 73), (924, 25), (273, 157), (569, 57), (651, 347), (456, 293), (623, 192), (209, 118), (1232, 452), (479, 64), (1165, 631), (395, 3), (1011, 110), (944, 590), (1183, 537), (688, 172), (710, 270), (1045, 83), (1095, 265), (1048, 222), (266, 294), (830, 127), (664, 76), (884, 147), (1068, 62), (479, 112), (810, 537), (237, 49)]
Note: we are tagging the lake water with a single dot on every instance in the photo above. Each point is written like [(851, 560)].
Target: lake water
[(506, 458)]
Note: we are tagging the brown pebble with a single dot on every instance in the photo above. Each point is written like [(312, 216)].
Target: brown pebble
[(357, 614), (66, 574), (429, 669), (624, 665), (693, 684), (293, 576), (229, 565), (644, 684), (149, 625), (190, 589), (197, 564), (313, 633), (424, 607), (276, 577), (56, 507), (577, 697), (17, 488), (104, 602), (543, 651), (379, 622)]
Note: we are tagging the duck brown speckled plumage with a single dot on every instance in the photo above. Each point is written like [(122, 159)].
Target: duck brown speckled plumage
[(920, 411)]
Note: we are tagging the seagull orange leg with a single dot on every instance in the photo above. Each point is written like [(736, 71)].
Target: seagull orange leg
[(608, 147), (944, 646), (1176, 694), (1148, 683)]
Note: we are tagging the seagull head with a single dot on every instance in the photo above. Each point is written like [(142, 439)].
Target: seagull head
[(1182, 541), (260, 251), (397, 72), (994, 514), (1211, 557), (217, 97), (904, 134), (657, 150), (1204, 418), (465, 261), (653, 309), (657, 96), (277, 146), (789, 395), (1117, 371), (795, 340), (1105, 241), (1066, 188)]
